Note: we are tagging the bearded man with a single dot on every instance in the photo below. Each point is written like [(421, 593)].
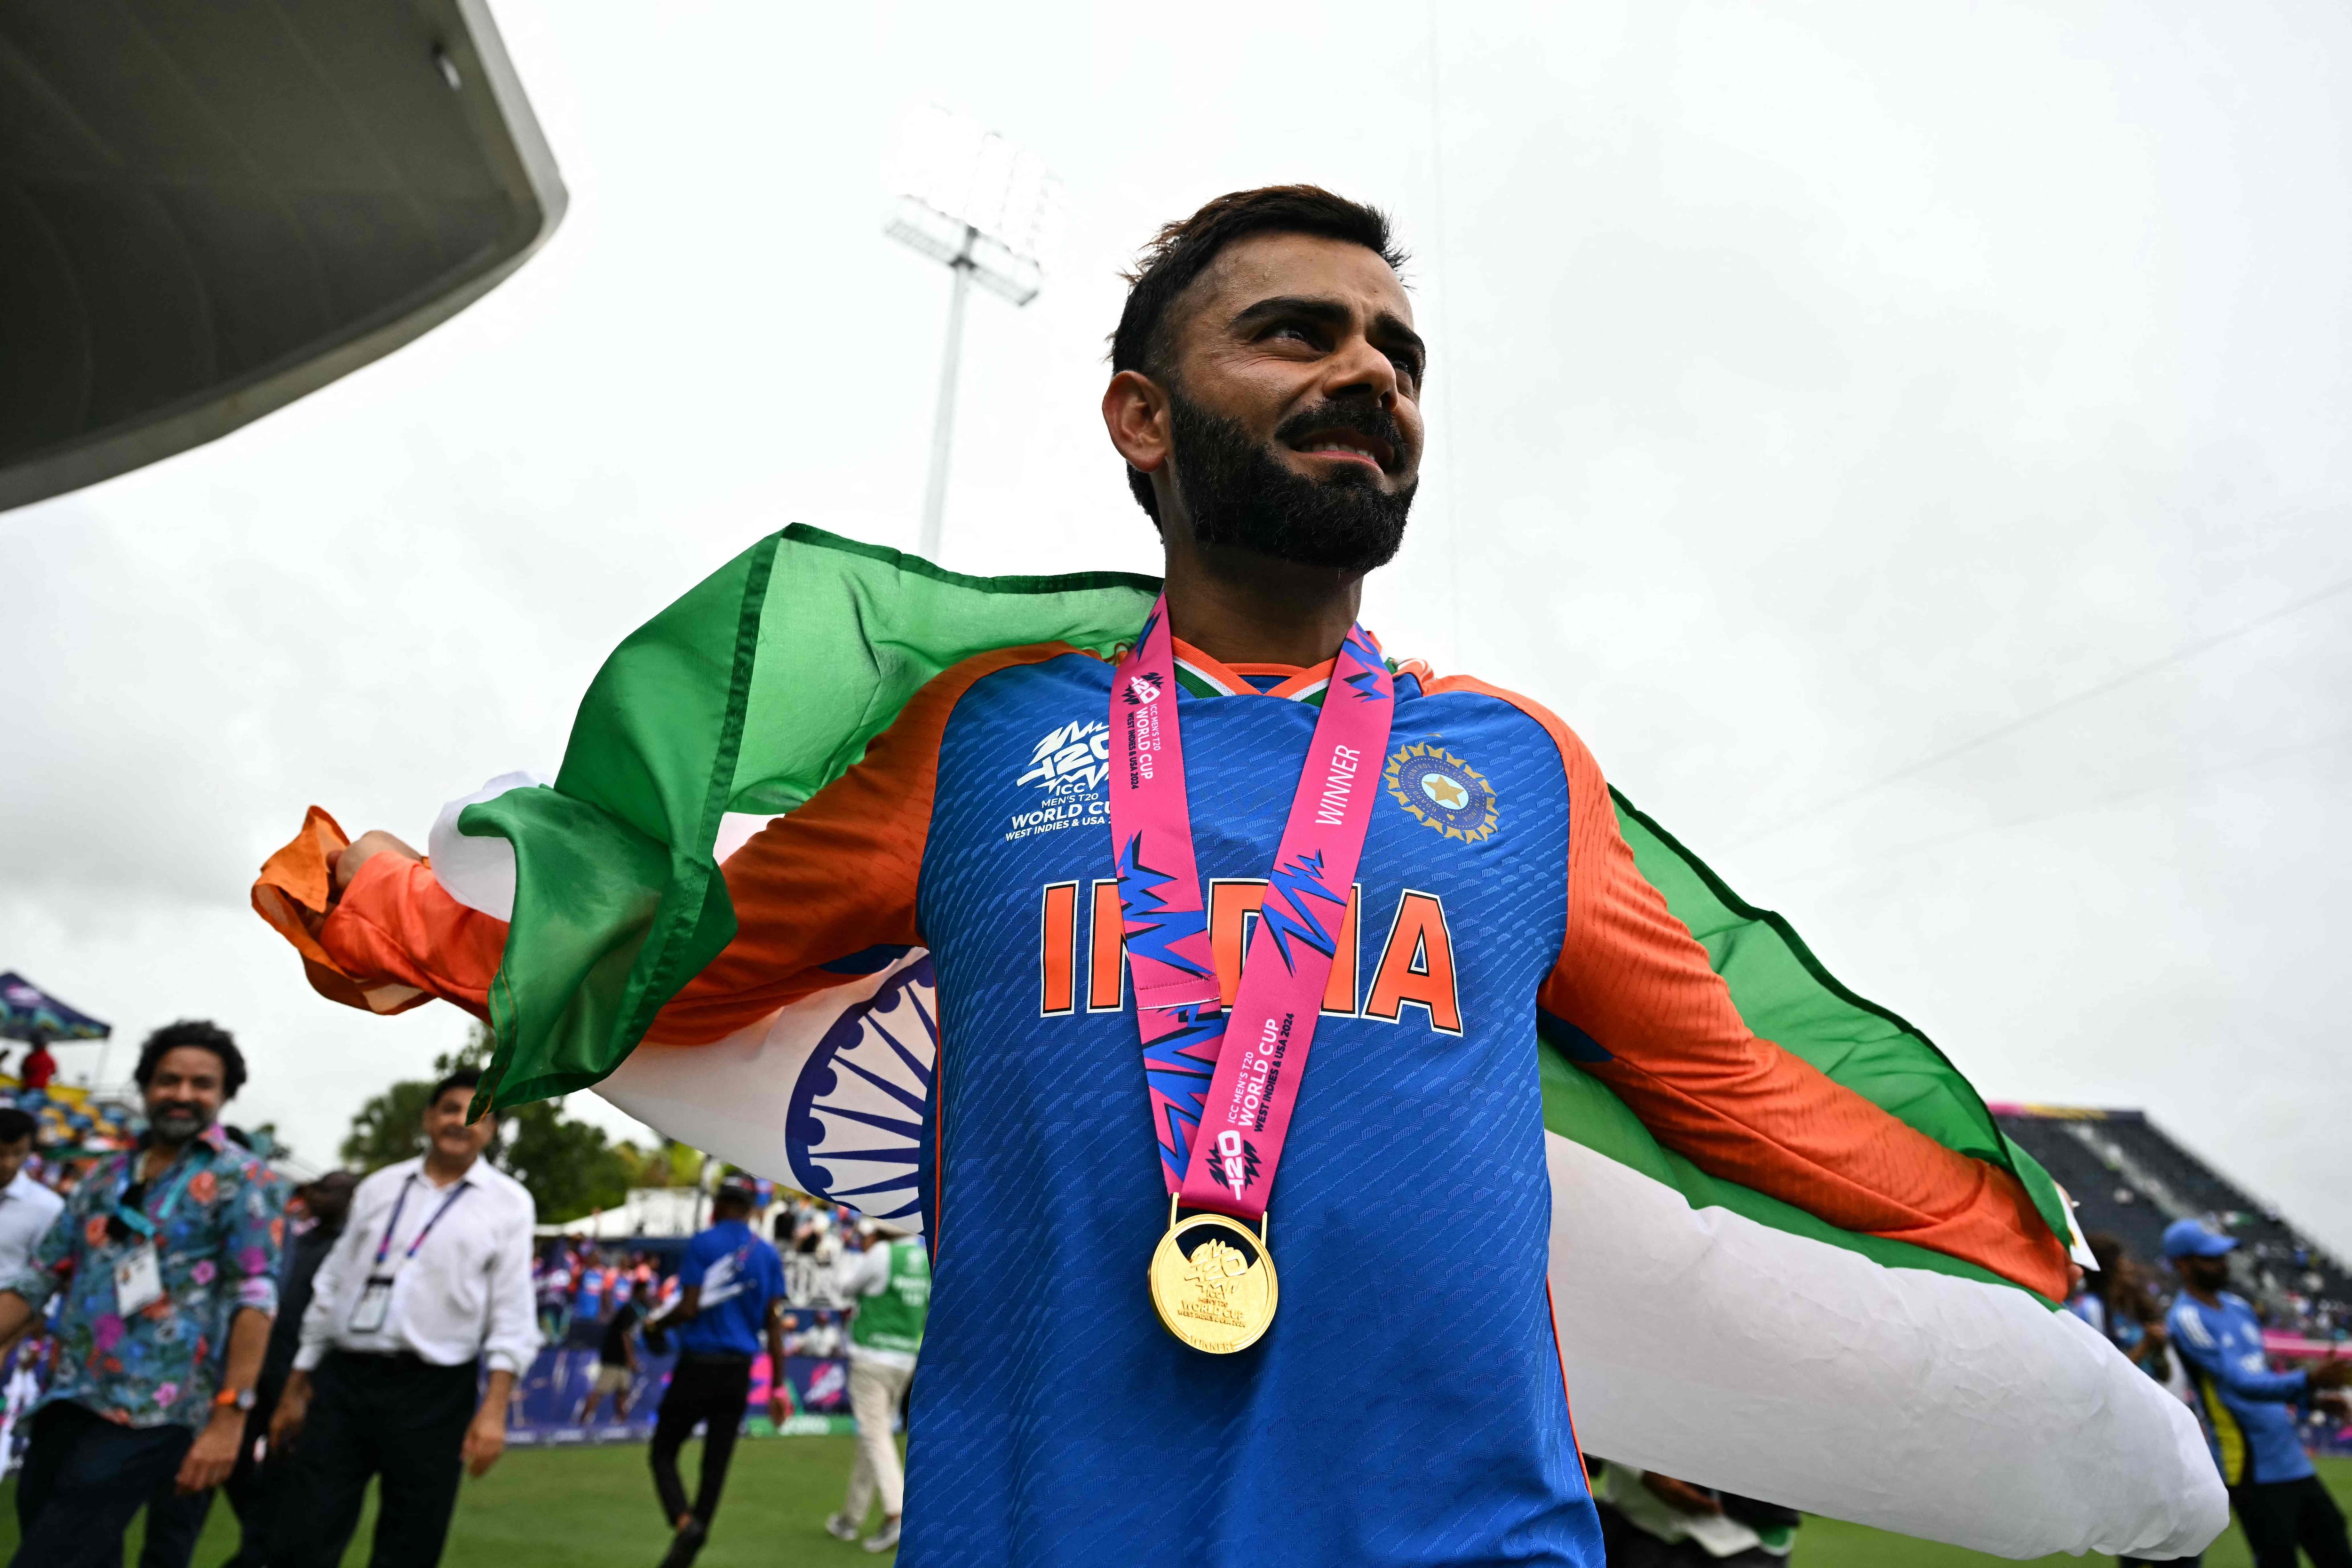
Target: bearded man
[(1425, 874)]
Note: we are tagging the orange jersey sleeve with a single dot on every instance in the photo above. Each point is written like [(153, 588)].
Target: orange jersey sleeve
[(397, 925), (1634, 981), (395, 940)]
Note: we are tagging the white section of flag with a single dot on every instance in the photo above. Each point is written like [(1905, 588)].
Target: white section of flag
[(479, 872), (733, 1097), (1724, 1351)]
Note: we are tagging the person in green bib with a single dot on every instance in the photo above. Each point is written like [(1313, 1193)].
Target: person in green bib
[(888, 1285)]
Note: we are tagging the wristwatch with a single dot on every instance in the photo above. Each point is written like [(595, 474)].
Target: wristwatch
[(241, 1398)]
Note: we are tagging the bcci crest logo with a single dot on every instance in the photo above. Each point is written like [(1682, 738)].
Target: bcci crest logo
[(1441, 790)]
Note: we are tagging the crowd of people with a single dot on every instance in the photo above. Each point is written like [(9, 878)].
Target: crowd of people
[(180, 1320), (574, 1281)]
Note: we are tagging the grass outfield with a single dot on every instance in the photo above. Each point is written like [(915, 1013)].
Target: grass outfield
[(590, 1507)]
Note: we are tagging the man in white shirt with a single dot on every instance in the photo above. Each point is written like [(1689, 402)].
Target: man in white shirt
[(27, 1207), (26, 1211), (430, 1282)]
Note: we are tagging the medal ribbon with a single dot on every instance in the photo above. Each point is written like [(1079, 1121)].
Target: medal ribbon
[(1221, 1116)]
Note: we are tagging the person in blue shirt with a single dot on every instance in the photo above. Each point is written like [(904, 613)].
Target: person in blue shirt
[(732, 1290), (2249, 1410)]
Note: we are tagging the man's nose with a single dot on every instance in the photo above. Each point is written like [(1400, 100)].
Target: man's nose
[(1360, 370)]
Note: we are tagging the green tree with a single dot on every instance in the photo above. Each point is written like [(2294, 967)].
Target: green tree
[(570, 1167), (390, 1127), (668, 1165)]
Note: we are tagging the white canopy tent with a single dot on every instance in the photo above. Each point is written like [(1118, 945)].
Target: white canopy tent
[(647, 1211)]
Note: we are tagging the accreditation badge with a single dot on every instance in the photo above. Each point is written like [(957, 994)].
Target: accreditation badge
[(138, 1280), (374, 1306)]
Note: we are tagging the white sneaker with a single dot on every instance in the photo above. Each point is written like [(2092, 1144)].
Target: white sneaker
[(839, 1528), (885, 1539)]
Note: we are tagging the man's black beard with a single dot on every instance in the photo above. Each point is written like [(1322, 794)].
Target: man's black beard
[(1242, 496), (175, 1123)]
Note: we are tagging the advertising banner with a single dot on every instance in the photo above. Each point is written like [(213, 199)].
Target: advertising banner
[(552, 1399)]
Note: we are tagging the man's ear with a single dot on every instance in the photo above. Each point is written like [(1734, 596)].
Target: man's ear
[(1135, 413)]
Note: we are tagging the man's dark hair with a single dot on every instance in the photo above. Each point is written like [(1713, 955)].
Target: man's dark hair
[(200, 1033), (467, 1078), (16, 1125), (1182, 250)]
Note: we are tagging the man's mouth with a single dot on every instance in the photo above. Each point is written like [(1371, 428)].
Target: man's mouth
[(1347, 445)]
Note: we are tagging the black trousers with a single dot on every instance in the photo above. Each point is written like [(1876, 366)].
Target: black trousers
[(84, 1478), (2278, 1516), (173, 1523), (394, 1418), (713, 1390)]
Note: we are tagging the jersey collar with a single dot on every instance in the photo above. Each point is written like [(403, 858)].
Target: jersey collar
[(1205, 676)]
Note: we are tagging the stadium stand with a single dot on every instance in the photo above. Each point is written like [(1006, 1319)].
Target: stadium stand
[(2128, 1176)]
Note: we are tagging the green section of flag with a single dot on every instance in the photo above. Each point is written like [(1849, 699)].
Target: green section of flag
[(1785, 996), (761, 686)]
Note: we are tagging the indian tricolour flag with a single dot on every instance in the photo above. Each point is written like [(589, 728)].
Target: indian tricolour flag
[(1709, 1331)]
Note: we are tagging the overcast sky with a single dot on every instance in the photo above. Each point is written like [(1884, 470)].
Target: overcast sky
[(1816, 391)]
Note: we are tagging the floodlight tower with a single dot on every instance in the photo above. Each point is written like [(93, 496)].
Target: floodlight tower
[(966, 197)]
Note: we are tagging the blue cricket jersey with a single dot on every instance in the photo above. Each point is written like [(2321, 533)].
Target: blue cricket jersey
[(1407, 1406), (2249, 1410), (740, 1275)]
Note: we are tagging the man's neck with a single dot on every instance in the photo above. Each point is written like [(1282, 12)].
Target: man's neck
[(1242, 608), (2207, 1294), (161, 1156), (440, 1170)]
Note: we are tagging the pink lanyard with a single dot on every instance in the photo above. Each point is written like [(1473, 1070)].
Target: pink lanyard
[(1241, 1100)]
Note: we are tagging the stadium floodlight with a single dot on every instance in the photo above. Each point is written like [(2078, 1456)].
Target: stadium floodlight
[(964, 196)]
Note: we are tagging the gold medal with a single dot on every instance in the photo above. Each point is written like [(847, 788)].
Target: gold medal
[(1212, 1282)]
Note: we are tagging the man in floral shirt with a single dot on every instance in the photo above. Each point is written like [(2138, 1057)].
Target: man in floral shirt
[(167, 1261)]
